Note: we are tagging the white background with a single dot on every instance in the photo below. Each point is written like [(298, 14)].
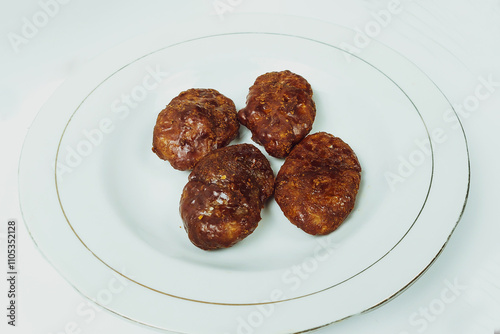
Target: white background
[(456, 43)]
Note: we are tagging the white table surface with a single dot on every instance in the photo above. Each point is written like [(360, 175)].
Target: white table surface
[(456, 43)]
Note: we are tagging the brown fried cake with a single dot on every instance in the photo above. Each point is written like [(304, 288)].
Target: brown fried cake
[(221, 203), (193, 124), (317, 185), (280, 111)]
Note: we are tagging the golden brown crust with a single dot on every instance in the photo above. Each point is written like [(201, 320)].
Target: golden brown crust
[(194, 123), (317, 185), (280, 111), (221, 203)]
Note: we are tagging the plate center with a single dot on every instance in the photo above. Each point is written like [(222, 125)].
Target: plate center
[(123, 202)]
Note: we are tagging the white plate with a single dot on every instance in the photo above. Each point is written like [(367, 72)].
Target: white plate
[(107, 216)]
